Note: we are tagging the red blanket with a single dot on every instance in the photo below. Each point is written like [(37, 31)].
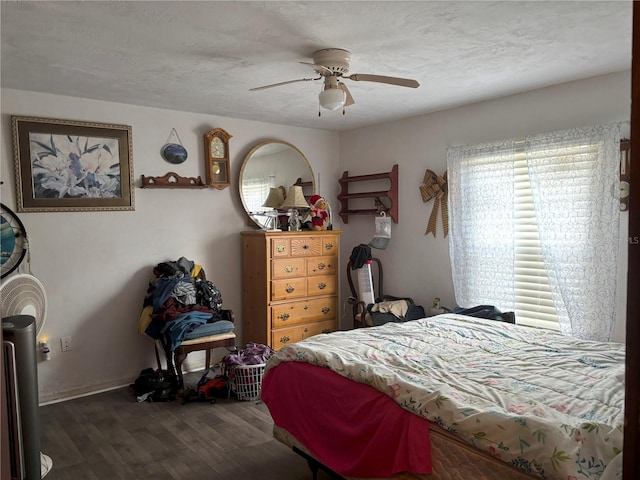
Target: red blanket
[(350, 427)]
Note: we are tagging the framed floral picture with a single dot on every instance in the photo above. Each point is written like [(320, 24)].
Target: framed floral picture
[(66, 165)]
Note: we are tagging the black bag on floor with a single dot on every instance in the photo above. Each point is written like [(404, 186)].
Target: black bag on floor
[(155, 386)]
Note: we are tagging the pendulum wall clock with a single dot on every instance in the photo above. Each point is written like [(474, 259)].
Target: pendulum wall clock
[(216, 152)]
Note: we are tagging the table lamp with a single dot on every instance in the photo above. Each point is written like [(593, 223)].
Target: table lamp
[(294, 201)]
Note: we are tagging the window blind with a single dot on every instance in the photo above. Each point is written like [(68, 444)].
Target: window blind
[(533, 301)]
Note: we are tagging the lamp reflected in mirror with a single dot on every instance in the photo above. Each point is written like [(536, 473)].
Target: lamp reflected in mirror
[(294, 202), (274, 200)]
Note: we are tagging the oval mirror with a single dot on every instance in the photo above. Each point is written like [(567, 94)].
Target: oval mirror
[(271, 164)]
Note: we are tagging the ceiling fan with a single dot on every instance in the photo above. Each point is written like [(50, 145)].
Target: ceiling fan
[(332, 65)]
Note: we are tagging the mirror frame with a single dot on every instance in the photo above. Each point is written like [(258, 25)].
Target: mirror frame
[(246, 160)]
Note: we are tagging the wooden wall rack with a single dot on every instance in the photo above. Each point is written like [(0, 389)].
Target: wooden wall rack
[(172, 180), (391, 194)]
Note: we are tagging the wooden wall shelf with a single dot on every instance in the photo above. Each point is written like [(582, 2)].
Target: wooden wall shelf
[(380, 206), (172, 180)]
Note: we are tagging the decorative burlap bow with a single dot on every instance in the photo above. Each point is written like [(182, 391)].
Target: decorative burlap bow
[(435, 187)]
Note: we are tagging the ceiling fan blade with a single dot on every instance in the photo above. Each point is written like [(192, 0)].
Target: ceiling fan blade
[(320, 69), (403, 82), (349, 100), (283, 83)]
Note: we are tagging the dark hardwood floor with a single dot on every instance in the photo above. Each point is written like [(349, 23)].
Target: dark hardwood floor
[(111, 436)]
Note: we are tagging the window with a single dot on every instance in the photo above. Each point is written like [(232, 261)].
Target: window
[(534, 228), (254, 193)]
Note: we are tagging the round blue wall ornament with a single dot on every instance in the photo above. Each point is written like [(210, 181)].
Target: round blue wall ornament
[(174, 152)]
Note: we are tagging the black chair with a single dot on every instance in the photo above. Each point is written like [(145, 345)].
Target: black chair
[(361, 316)]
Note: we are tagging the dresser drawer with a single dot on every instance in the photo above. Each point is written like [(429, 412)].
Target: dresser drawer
[(306, 246), (290, 288), (321, 285), (294, 313), (285, 336), (288, 267), (280, 247), (322, 265), (329, 245)]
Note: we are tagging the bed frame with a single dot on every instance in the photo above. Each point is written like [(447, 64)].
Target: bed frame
[(451, 459)]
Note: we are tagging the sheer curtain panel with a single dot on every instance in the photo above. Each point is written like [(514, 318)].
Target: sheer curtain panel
[(575, 181), (481, 180)]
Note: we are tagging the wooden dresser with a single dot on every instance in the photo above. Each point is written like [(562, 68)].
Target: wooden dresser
[(289, 285)]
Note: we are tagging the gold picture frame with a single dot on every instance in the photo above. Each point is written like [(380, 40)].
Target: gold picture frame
[(72, 166)]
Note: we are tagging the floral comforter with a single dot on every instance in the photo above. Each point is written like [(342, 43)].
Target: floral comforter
[(548, 404)]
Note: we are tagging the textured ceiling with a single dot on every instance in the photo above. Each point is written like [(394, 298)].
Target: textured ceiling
[(205, 56)]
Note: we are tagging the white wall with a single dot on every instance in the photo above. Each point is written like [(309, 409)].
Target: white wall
[(95, 266), (417, 265)]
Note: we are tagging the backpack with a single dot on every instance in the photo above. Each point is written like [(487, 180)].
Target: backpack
[(208, 295)]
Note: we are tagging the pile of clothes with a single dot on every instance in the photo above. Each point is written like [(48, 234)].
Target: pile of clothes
[(250, 354), (178, 300)]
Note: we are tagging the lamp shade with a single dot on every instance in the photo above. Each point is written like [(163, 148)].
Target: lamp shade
[(332, 98), (295, 199), (275, 198)]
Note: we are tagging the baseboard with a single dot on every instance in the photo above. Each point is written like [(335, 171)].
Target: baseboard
[(86, 391), (80, 392)]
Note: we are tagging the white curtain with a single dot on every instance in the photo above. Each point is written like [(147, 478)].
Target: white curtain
[(575, 198), (578, 215), (480, 180)]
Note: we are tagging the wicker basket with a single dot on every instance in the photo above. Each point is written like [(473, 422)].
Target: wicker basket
[(246, 381)]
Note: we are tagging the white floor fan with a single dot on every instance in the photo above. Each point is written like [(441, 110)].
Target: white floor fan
[(24, 294)]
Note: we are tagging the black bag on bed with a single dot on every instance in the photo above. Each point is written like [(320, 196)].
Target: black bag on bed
[(487, 311)]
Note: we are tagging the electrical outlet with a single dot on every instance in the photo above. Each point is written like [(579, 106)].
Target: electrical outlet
[(65, 343)]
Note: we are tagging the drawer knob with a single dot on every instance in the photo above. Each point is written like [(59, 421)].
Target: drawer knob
[(284, 316), (305, 247), (280, 248), (322, 285), (325, 310), (288, 268), (289, 289), (328, 246), (321, 266), (306, 307), (284, 339)]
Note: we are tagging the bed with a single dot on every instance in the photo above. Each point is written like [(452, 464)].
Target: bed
[(451, 397)]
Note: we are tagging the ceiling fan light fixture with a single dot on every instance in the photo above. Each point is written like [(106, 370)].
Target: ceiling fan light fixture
[(332, 98)]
